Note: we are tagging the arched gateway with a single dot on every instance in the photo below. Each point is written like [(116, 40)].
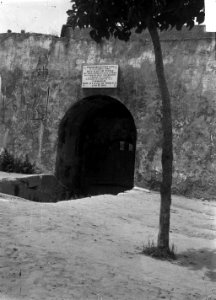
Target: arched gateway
[(96, 147)]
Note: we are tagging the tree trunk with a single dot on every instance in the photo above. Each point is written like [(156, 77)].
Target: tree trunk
[(167, 149)]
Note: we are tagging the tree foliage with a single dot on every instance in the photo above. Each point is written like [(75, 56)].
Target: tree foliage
[(118, 17)]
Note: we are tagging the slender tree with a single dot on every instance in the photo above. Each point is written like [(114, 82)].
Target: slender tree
[(118, 18)]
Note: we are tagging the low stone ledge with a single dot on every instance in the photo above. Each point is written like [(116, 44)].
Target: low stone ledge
[(39, 188)]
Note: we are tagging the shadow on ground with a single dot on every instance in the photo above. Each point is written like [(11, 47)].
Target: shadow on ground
[(197, 259)]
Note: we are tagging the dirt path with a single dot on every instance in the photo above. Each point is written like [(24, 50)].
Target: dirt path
[(90, 249)]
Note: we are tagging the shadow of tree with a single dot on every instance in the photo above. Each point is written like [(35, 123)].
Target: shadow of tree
[(197, 259)]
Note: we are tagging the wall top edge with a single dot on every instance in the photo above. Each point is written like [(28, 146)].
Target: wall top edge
[(197, 33)]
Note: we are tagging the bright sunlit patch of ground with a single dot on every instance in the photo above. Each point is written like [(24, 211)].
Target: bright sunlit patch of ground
[(91, 249)]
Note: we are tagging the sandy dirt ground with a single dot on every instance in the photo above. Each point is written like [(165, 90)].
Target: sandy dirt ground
[(91, 249)]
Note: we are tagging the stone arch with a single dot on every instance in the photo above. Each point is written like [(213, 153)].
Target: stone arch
[(96, 147)]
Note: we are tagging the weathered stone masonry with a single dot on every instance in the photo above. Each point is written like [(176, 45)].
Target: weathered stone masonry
[(41, 81)]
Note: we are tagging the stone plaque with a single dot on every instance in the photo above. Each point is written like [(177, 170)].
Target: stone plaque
[(100, 76)]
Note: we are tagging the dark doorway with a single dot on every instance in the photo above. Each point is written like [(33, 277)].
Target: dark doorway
[(96, 147)]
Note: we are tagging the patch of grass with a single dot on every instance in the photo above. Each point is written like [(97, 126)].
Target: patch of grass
[(159, 253)]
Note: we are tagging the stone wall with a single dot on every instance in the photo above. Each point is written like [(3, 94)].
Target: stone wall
[(41, 80)]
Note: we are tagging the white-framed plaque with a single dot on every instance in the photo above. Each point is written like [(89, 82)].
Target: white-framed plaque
[(100, 76)]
